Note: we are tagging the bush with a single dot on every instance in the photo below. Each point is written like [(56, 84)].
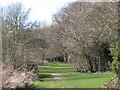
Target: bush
[(115, 52)]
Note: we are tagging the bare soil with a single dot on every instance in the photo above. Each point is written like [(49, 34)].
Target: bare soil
[(56, 76)]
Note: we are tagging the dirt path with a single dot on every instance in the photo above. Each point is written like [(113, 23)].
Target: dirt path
[(56, 76)]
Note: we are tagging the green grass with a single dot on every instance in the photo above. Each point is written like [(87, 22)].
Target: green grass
[(70, 79)]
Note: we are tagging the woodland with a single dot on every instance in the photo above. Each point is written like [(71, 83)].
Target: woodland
[(83, 35)]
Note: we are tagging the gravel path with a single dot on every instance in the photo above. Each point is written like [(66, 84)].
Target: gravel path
[(56, 76)]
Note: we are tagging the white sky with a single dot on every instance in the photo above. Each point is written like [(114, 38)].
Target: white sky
[(41, 10)]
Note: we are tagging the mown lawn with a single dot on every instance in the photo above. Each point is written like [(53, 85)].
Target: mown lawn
[(70, 78)]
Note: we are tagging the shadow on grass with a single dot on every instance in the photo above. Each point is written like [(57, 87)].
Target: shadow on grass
[(42, 77), (45, 76)]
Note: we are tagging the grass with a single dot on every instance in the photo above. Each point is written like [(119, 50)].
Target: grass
[(70, 79)]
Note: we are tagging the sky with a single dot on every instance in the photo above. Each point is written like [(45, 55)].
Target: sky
[(41, 10)]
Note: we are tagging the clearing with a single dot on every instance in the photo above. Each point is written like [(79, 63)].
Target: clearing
[(60, 75)]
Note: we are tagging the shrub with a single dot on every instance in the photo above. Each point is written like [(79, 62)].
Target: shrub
[(115, 52)]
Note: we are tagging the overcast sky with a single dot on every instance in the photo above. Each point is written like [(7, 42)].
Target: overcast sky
[(41, 10)]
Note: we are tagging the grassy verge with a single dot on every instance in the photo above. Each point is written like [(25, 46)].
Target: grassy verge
[(70, 79)]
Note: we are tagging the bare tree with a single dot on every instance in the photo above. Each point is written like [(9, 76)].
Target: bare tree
[(14, 20), (16, 15), (89, 28)]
